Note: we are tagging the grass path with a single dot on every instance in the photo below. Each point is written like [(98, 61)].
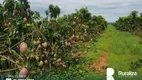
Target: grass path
[(116, 49)]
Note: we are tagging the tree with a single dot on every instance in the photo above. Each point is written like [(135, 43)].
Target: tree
[(133, 14), (54, 11), (141, 15), (83, 14), (57, 11), (131, 23)]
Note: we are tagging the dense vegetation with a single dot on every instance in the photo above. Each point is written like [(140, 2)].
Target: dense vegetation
[(131, 23), (31, 44)]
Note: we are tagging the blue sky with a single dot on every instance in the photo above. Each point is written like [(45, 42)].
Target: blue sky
[(110, 9)]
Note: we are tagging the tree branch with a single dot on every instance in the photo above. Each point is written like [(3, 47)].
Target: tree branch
[(8, 70)]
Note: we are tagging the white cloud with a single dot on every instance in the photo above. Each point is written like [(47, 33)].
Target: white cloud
[(110, 9)]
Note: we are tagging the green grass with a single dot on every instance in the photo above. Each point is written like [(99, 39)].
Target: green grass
[(122, 47), (125, 48)]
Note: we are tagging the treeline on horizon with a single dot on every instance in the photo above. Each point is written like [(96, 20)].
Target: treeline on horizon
[(130, 23)]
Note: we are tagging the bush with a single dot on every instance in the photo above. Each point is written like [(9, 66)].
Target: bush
[(131, 23), (43, 44)]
